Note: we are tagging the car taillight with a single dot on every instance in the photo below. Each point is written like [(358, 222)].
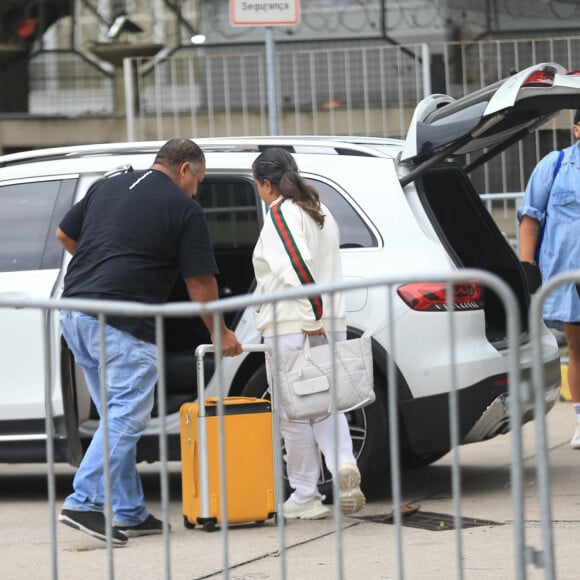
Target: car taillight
[(543, 77), (432, 296)]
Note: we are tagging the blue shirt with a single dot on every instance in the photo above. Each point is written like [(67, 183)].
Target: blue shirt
[(555, 203)]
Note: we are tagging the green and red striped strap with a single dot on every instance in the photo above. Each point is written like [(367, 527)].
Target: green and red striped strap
[(298, 263)]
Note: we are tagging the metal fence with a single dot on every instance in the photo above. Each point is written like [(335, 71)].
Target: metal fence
[(359, 88), (176, 560), (323, 88), (503, 207)]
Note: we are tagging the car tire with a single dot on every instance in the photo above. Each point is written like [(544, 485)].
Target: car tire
[(369, 432)]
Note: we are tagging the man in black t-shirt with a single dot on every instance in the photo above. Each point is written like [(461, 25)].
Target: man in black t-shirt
[(131, 236)]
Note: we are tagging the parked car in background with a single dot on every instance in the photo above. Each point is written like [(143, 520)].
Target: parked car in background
[(403, 207)]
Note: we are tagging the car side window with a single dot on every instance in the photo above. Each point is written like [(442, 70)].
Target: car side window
[(29, 215), (231, 210), (354, 233), (233, 216)]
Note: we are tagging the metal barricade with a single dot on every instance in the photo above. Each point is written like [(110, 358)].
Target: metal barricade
[(544, 557), (178, 559)]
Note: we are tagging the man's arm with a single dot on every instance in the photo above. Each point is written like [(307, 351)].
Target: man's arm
[(69, 244), (204, 289)]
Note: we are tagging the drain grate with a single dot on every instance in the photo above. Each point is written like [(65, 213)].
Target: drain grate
[(430, 521)]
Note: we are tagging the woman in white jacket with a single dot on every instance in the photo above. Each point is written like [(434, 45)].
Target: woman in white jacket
[(299, 244)]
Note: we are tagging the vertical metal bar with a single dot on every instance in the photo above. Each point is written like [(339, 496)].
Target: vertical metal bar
[(313, 90), (278, 459), (193, 104), (384, 111), (347, 75), (163, 455), (400, 94), (128, 80), (395, 462), (542, 462), (330, 77), (222, 444), (271, 80), (49, 426), (515, 392), (210, 107), (227, 97), (158, 109), (426, 68), (335, 484), (174, 102), (454, 433), (262, 100), (202, 436), (295, 85), (364, 54), (106, 458), (244, 91)]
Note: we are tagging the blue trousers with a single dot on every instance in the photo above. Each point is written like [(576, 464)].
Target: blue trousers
[(130, 375)]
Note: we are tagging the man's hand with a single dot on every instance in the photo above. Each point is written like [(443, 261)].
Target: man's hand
[(230, 344)]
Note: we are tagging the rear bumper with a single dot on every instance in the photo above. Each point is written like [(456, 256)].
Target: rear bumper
[(483, 411)]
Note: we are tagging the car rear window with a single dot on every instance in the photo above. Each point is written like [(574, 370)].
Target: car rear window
[(29, 215), (354, 233)]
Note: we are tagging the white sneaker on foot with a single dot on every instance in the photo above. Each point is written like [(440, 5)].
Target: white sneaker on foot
[(575, 441), (352, 498), (311, 510)]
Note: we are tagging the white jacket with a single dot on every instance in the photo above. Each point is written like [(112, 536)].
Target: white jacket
[(293, 250)]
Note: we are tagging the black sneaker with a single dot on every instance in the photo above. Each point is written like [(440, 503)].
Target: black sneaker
[(92, 523), (146, 528)]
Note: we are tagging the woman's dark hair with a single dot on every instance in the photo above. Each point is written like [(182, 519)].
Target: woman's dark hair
[(279, 168)]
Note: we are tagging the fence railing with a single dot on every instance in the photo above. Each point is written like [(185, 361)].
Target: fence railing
[(175, 564), (504, 208), (323, 88)]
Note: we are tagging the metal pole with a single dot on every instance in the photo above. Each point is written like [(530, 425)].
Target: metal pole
[(271, 81), (426, 69), (129, 77)]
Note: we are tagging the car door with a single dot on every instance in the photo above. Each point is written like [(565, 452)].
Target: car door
[(30, 259)]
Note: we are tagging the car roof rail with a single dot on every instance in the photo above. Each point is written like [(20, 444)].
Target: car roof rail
[(349, 145)]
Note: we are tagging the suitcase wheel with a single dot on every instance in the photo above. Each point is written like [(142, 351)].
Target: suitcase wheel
[(209, 526), (187, 523)]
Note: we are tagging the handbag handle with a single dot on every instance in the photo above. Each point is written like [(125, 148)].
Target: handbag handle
[(306, 346)]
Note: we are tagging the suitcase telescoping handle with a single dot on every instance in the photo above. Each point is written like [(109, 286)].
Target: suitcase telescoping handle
[(200, 352)]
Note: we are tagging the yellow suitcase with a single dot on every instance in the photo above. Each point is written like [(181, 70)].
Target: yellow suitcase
[(248, 458)]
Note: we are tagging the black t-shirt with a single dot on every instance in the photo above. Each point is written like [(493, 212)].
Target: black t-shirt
[(136, 233)]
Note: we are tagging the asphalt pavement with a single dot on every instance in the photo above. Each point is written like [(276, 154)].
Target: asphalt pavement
[(367, 546)]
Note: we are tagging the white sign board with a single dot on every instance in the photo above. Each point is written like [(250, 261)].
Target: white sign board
[(264, 12)]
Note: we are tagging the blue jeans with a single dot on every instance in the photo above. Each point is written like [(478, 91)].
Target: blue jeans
[(131, 375)]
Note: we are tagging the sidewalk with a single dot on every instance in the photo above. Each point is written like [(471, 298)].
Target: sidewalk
[(368, 544)]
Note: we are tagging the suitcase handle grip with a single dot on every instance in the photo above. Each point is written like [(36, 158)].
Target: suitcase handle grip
[(201, 351)]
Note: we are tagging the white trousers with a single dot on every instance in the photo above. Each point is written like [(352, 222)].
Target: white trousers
[(305, 440)]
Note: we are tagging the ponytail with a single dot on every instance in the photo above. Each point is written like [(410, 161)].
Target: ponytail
[(279, 167)]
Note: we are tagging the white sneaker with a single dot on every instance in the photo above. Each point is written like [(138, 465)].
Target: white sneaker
[(352, 498), (575, 441), (311, 510)]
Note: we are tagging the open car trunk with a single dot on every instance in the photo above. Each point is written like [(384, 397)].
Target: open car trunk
[(472, 238)]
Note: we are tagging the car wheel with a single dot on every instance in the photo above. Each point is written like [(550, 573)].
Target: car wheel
[(410, 460), (368, 430)]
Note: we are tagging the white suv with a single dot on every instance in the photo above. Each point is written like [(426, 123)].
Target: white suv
[(403, 207)]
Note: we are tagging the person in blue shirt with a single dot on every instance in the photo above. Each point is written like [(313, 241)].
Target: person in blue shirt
[(550, 233)]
